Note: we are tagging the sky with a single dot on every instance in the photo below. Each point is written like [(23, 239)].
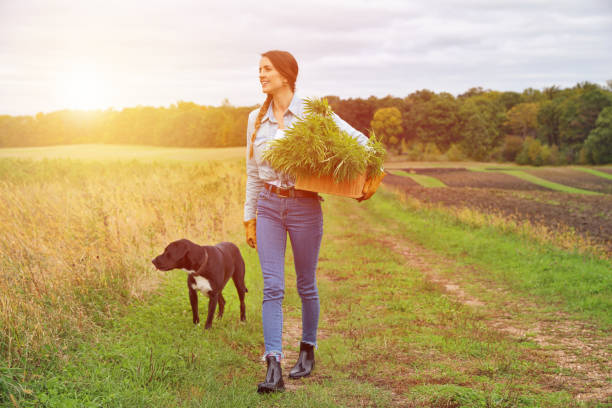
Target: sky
[(90, 54)]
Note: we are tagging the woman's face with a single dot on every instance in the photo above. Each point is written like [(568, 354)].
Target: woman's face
[(271, 80)]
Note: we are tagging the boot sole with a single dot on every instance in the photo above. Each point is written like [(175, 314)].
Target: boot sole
[(297, 377), (266, 390)]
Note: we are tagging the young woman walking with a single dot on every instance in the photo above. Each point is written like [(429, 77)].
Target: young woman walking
[(274, 208)]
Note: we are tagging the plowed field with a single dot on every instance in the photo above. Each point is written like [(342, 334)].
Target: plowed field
[(574, 178), (589, 216)]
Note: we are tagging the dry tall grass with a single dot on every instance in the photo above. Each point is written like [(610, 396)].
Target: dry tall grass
[(77, 238)]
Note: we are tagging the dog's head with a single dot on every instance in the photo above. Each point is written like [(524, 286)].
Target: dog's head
[(179, 254)]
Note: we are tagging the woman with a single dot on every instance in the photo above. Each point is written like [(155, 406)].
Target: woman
[(274, 208)]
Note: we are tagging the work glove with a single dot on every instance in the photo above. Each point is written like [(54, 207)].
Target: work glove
[(251, 236), (370, 186)]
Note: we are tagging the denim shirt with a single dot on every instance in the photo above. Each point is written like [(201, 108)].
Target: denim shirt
[(259, 171)]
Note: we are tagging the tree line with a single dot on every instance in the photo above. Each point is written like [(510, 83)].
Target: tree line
[(184, 124), (548, 126)]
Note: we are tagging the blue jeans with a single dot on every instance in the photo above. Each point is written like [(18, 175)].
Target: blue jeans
[(302, 218)]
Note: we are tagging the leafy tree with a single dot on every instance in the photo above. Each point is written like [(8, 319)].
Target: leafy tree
[(522, 119), (509, 99), (480, 123), (580, 112), (434, 118), (598, 145), (549, 120), (512, 147), (533, 152), (551, 92), (474, 91), (532, 95), (357, 112), (387, 125)]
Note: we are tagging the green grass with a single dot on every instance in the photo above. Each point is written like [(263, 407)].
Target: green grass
[(548, 184), (388, 335), (383, 327), (594, 172), (423, 180), (581, 284)]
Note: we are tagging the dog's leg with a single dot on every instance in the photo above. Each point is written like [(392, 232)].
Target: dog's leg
[(238, 278), (193, 299), (242, 307), (212, 305), (221, 305)]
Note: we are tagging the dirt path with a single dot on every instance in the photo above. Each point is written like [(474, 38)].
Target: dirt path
[(572, 345)]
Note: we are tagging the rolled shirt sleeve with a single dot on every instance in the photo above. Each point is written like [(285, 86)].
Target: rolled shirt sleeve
[(253, 184), (341, 123)]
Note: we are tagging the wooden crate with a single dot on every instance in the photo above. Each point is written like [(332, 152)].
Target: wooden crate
[(327, 185)]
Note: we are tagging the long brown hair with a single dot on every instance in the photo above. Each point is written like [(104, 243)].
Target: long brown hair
[(287, 66)]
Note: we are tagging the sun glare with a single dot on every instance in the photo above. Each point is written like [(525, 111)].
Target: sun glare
[(82, 87)]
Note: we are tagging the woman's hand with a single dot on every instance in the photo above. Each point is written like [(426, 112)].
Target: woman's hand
[(370, 186), (251, 235)]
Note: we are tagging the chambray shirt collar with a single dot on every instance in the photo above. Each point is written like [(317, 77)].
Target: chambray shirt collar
[(294, 107)]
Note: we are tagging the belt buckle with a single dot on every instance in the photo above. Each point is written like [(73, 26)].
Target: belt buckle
[(285, 192)]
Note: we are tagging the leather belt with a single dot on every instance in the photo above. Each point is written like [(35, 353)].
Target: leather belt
[(289, 192)]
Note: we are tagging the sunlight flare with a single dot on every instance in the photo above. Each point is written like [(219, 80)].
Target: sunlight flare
[(82, 86)]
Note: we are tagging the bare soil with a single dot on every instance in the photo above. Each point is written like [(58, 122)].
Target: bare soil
[(574, 178), (466, 178), (589, 216), (604, 169)]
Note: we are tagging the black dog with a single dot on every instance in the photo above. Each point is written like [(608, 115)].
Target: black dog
[(209, 269)]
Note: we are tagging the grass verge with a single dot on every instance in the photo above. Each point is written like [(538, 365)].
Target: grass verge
[(548, 184), (423, 180), (594, 172), (580, 283)]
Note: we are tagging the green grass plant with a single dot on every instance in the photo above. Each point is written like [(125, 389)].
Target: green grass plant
[(422, 179), (315, 145), (579, 283), (548, 184)]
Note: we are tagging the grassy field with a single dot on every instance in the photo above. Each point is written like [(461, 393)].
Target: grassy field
[(420, 307), (98, 152), (423, 180)]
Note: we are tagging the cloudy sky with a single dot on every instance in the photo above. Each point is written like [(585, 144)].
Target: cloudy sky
[(92, 54)]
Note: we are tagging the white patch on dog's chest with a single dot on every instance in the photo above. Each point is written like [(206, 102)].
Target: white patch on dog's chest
[(201, 284)]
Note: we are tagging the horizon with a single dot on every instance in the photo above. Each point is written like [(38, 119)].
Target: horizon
[(227, 101)]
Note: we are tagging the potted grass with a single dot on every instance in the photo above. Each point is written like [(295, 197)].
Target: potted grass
[(322, 157)]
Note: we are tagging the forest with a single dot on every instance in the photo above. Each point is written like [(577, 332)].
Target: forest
[(551, 126)]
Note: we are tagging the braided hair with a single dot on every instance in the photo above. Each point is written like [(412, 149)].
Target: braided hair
[(287, 66)]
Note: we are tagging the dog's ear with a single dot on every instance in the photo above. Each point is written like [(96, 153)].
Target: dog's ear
[(177, 250)]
